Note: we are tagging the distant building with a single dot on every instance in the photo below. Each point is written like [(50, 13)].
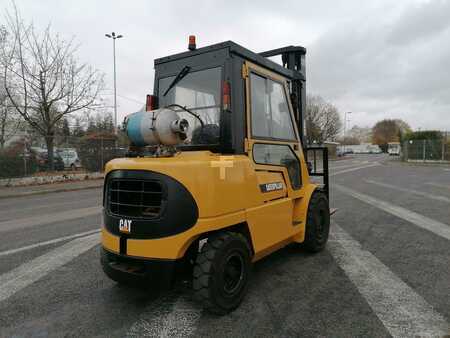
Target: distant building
[(332, 148), (363, 148)]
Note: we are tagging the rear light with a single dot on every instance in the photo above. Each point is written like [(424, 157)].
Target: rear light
[(226, 98), (151, 103)]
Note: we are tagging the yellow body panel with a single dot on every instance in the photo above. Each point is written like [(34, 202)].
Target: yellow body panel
[(270, 224), (109, 241), (264, 177), (222, 201), (198, 172), (174, 247)]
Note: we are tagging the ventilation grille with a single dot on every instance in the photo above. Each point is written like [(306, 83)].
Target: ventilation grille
[(135, 198)]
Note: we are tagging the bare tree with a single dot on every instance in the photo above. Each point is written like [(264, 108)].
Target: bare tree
[(349, 140), (323, 122), (360, 134), (9, 121), (43, 79)]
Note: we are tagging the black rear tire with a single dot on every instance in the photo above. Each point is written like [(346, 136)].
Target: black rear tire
[(221, 272), (317, 223)]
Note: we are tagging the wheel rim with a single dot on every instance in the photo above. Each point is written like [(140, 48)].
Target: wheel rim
[(233, 273)]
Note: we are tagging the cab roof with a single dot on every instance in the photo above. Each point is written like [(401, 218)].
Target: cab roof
[(234, 48)]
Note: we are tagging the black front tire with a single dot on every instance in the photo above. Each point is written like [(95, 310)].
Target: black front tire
[(317, 223), (221, 272)]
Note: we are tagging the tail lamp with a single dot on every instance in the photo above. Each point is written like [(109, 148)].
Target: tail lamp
[(226, 98), (151, 103)]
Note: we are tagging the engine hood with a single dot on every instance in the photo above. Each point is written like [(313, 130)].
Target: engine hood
[(219, 184)]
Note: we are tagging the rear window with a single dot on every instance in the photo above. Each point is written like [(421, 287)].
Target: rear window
[(199, 91)]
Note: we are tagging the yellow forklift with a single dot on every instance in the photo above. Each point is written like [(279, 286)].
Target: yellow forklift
[(216, 176)]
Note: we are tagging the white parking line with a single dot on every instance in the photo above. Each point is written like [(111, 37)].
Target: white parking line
[(52, 241), (179, 322), (402, 311), (438, 185), (346, 166), (411, 191), (353, 169), (421, 221), (49, 218), (28, 273)]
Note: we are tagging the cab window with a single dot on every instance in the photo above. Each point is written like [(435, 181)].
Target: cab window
[(199, 91), (270, 116), (279, 155)]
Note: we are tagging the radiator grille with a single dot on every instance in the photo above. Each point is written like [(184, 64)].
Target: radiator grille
[(135, 198)]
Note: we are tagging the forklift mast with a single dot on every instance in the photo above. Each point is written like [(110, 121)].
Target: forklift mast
[(293, 58)]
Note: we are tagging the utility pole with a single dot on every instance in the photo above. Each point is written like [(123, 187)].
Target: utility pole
[(113, 36), (345, 126)]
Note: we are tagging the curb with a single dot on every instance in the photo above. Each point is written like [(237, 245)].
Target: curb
[(421, 164), (48, 191), (42, 180)]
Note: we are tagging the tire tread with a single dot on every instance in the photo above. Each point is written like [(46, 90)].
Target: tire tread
[(204, 268), (310, 243)]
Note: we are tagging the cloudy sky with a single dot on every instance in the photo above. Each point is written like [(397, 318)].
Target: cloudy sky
[(378, 59)]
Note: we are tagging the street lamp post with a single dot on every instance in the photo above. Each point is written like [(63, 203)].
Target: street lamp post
[(113, 36), (345, 125)]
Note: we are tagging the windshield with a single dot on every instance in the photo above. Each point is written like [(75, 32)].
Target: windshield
[(394, 146), (199, 92)]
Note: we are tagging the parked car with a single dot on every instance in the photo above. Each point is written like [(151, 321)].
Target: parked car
[(70, 158), (42, 161), (374, 149)]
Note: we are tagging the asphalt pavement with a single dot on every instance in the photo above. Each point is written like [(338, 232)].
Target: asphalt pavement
[(385, 272)]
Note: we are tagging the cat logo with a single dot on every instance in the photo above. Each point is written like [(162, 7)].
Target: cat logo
[(125, 225)]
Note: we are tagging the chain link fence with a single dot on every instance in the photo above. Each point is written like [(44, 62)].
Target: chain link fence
[(90, 153), (427, 150)]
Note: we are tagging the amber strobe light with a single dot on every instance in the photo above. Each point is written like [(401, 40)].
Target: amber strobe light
[(192, 45)]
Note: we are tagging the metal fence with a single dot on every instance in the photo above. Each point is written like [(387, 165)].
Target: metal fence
[(432, 151), (90, 153)]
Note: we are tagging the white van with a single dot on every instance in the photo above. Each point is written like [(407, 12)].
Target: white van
[(70, 158), (394, 148)]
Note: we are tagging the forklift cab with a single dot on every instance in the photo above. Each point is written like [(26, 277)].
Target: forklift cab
[(246, 104)]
